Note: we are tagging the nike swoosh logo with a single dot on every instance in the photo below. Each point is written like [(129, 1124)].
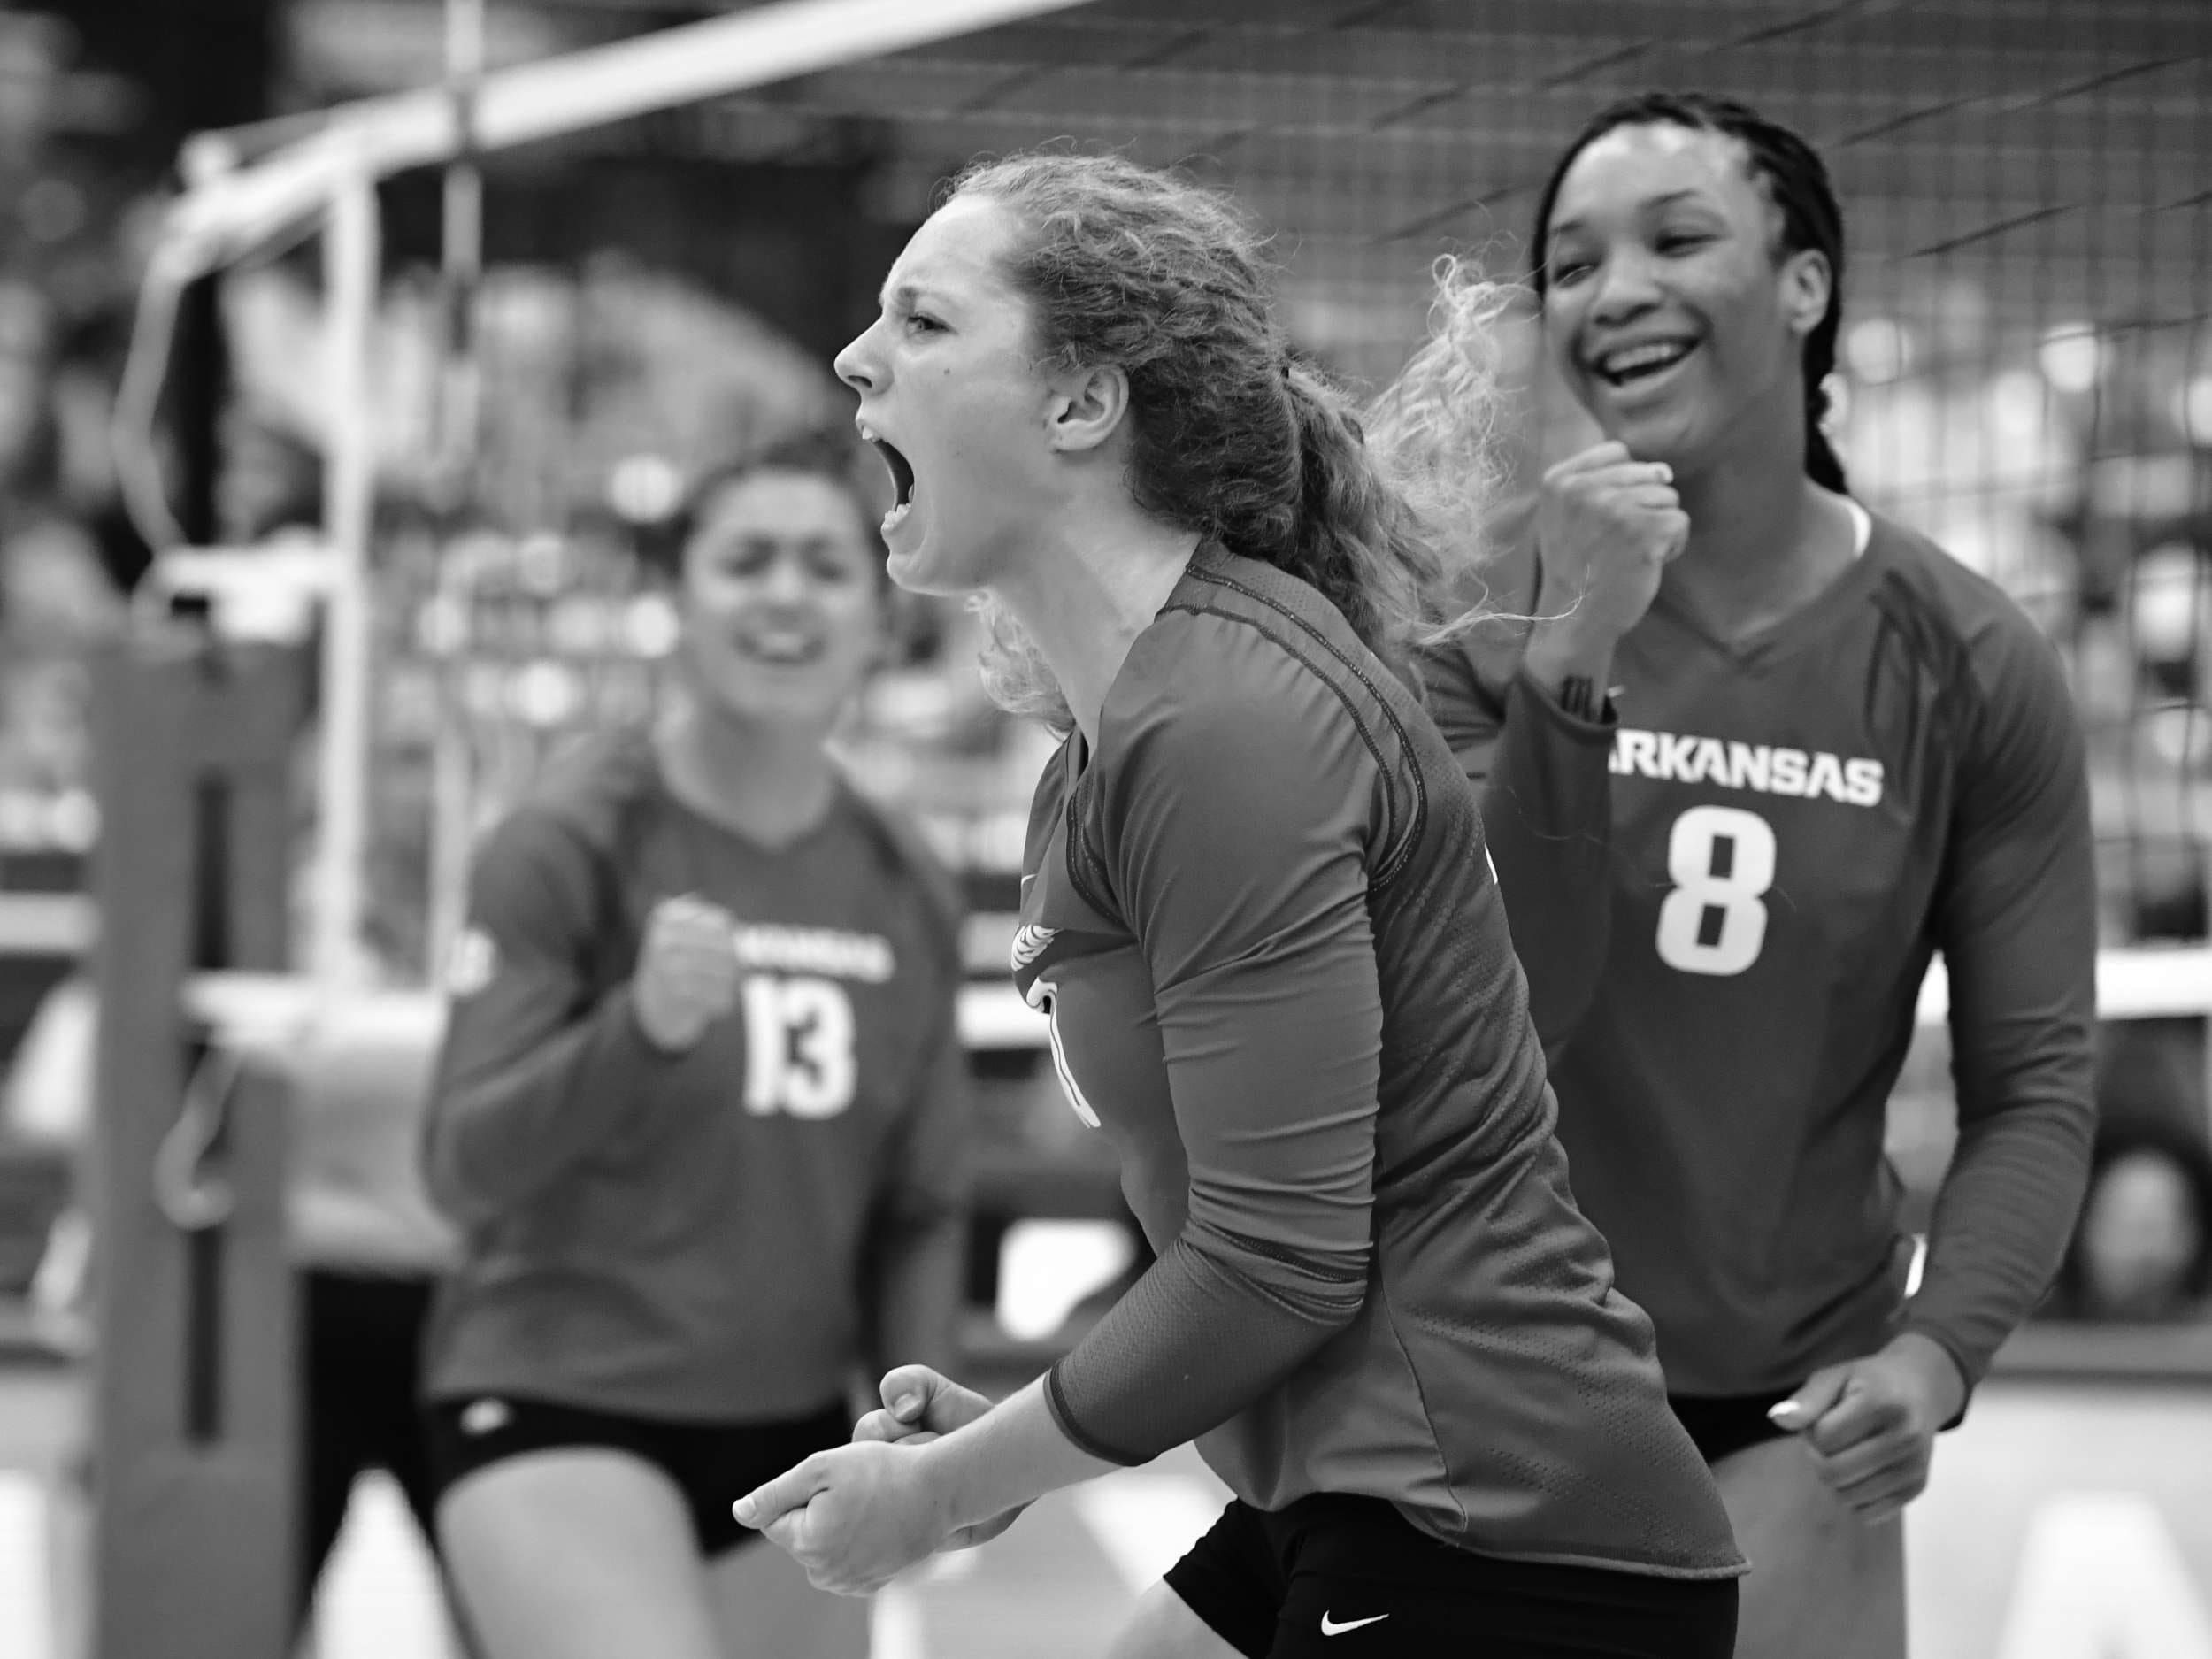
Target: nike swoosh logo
[(1332, 1629), (1031, 942)]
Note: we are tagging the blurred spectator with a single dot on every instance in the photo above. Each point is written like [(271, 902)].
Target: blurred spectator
[(2142, 1250)]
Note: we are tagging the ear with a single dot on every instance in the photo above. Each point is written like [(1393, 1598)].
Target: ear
[(1086, 407), (1807, 281)]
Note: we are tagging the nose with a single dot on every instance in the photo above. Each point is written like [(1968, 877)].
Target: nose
[(785, 583), (856, 364), (1626, 286)]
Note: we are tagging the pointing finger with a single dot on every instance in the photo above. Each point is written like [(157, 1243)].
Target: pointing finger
[(791, 1490)]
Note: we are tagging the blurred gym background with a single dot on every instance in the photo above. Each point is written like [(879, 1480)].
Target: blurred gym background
[(483, 372)]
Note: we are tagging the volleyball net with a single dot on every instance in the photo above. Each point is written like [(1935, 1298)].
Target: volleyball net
[(663, 241)]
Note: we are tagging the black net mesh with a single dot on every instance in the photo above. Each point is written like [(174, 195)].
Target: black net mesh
[(2026, 363)]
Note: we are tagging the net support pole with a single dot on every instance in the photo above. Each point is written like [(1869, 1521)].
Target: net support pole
[(351, 257), (193, 1372)]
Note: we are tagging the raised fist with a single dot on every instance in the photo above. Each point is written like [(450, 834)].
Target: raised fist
[(686, 973)]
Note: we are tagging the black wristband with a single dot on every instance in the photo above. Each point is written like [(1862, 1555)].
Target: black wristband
[(1579, 696)]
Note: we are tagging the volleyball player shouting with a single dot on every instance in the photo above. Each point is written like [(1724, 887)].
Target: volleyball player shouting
[(1837, 752), (1257, 911)]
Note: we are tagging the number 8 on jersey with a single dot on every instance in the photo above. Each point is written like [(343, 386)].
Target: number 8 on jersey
[(1721, 861)]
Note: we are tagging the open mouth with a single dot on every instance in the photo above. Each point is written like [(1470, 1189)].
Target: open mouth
[(901, 472), (1629, 365)]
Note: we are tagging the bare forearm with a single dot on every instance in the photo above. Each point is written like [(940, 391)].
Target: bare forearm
[(1011, 1457)]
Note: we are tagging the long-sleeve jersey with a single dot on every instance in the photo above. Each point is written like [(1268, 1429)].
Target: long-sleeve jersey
[(1276, 966), (687, 1235), (1789, 826)]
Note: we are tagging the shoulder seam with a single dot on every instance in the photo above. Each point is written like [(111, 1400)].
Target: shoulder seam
[(1394, 865)]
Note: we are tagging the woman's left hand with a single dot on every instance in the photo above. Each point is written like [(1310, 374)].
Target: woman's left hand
[(855, 1517), (1870, 1423)]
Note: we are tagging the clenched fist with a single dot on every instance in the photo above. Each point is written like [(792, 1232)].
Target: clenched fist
[(1606, 525), (686, 973)]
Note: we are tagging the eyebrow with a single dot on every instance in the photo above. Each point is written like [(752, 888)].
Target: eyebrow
[(1667, 200), (905, 294)]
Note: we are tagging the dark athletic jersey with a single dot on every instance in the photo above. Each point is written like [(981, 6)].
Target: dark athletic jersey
[(684, 1236), (1262, 920), (1796, 822)]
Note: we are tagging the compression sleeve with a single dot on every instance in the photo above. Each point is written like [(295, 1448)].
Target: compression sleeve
[(1237, 850), (535, 1069), (1548, 817), (2016, 924)]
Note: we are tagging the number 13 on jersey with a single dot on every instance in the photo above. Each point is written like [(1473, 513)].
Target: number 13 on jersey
[(1721, 861), (799, 1052)]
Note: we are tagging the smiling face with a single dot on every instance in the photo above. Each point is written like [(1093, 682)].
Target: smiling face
[(782, 600), (1666, 307), (952, 396)]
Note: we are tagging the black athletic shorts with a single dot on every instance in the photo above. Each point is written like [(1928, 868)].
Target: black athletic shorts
[(713, 1464), (1348, 1577), (1724, 1423), (360, 1346)]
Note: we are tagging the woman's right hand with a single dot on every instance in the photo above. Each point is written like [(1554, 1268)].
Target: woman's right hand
[(919, 1405), (1607, 526), (687, 972)]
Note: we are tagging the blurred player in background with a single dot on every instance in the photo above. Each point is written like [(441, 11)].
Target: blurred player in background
[(1257, 913), (2142, 1254), (1811, 750), (701, 1118)]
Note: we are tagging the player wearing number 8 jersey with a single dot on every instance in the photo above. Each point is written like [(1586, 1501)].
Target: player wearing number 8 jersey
[(1832, 752), (700, 1116)]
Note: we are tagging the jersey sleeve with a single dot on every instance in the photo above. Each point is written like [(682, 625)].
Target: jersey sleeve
[(1540, 775), (1238, 856), (2016, 924), (538, 1065)]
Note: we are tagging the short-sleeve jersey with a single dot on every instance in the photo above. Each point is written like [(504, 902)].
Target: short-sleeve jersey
[(683, 1235), (1799, 821), (1261, 919)]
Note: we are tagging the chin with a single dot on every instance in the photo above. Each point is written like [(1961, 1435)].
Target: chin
[(1662, 435), (921, 570)]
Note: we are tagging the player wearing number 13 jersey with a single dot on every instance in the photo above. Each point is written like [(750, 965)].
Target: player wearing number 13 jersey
[(1832, 752), (699, 1117)]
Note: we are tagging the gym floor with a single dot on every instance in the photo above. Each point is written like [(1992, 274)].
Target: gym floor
[(2066, 1520)]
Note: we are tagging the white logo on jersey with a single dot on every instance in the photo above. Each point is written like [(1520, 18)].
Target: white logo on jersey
[(824, 952), (471, 965), (1031, 942), (1044, 996), (1767, 770)]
